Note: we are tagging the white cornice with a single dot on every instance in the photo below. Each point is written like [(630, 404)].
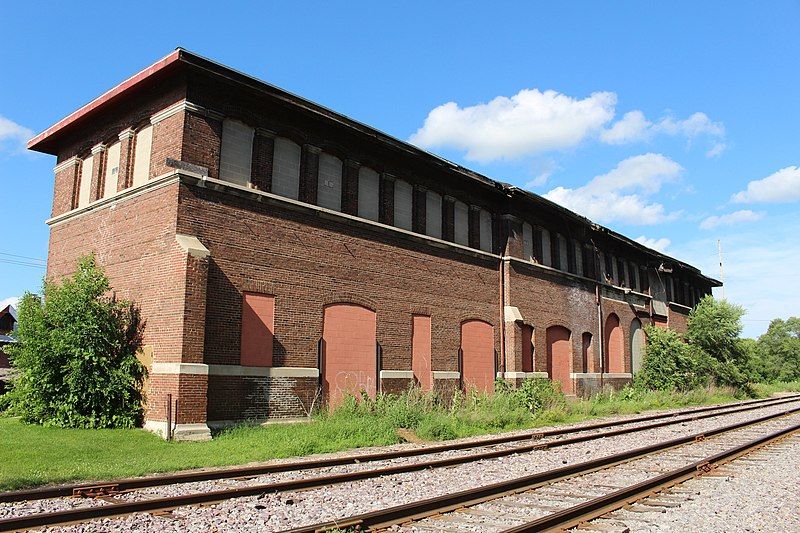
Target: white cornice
[(74, 160), (182, 107)]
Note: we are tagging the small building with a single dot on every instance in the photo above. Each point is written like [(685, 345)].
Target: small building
[(284, 255), (8, 323)]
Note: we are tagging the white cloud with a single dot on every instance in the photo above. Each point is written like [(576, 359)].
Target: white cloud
[(782, 186), (656, 244), (717, 149), (527, 123), (622, 194), (635, 127), (731, 219), (13, 136), (542, 172)]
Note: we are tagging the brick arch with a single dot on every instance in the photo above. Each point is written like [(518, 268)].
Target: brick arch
[(293, 134), (338, 297), (477, 355), (615, 345), (335, 149), (349, 360), (559, 356)]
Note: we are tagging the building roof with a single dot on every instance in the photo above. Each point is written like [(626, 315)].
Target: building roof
[(9, 310), (48, 140), (7, 339)]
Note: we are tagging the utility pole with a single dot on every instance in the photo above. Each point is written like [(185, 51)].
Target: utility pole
[(721, 269)]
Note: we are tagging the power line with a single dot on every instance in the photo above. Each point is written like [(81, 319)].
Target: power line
[(23, 257), (21, 263)]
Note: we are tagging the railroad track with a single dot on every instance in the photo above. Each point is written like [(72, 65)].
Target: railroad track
[(537, 441), (564, 498)]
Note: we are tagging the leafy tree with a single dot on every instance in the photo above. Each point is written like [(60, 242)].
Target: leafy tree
[(76, 355), (779, 350), (672, 364)]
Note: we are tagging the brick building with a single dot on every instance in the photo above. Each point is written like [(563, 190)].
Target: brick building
[(284, 254)]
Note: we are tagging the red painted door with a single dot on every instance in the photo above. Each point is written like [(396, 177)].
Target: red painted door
[(477, 362), (559, 357), (421, 351), (615, 346), (349, 352), (527, 348)]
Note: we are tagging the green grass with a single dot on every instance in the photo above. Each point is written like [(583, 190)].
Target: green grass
[(33, 455)]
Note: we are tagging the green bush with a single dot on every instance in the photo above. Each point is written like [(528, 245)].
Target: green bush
[(76, 355), (671, 364)]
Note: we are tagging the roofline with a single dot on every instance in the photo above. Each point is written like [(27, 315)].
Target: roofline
[(216, 68), (111, 94)]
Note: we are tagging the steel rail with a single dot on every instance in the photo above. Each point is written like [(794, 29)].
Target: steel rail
[(126, 484), (602, 505), (388, 517), (165, 503)]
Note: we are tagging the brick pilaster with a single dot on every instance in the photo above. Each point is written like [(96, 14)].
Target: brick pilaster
[(127, 140), (65, 192), (386, 206), (263, 157), (98, 171), (309, 173), (419, 201), (474, 226), (510, 236), (350, 187), (448, 218)]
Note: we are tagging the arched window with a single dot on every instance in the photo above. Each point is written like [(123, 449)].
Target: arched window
[(286, 168), (112, 170), (433, 214), (141, 155), (527, 242), (368, 193), (329, 182), (236, 152), (85, 188)]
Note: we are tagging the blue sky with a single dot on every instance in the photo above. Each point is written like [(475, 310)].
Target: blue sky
[(675, 122)]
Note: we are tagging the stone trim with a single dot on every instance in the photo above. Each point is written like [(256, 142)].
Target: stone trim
[(263, 371), (397, 374), (182, 106), (446, 374), (74, 160), (98, 148), (179, 368), (523, 375), (612, 375), (512, 314), (126, 134), (584, 375), (185, 432), (192, 246), (155, 183)]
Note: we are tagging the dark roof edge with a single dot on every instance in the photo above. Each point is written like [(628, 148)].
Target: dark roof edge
[(216, 68)]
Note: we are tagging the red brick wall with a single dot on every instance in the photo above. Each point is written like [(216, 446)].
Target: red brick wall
[(678, 319)]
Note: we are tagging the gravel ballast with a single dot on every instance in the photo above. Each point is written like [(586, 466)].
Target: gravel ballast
[(286, 510)]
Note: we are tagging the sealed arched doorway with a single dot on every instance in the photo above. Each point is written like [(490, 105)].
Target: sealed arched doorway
[(349, 352), (637, 345), (559, 356), (477, 355), (615, 348)]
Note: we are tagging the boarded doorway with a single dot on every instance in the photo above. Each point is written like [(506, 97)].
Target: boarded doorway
[(477, 355), (559, 357), (349, 360), (637, 345), (615, 347)]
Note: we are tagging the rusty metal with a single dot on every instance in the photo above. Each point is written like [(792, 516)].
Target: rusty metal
[(561, 520), (380, 518), (95, 491), (251, 471)]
